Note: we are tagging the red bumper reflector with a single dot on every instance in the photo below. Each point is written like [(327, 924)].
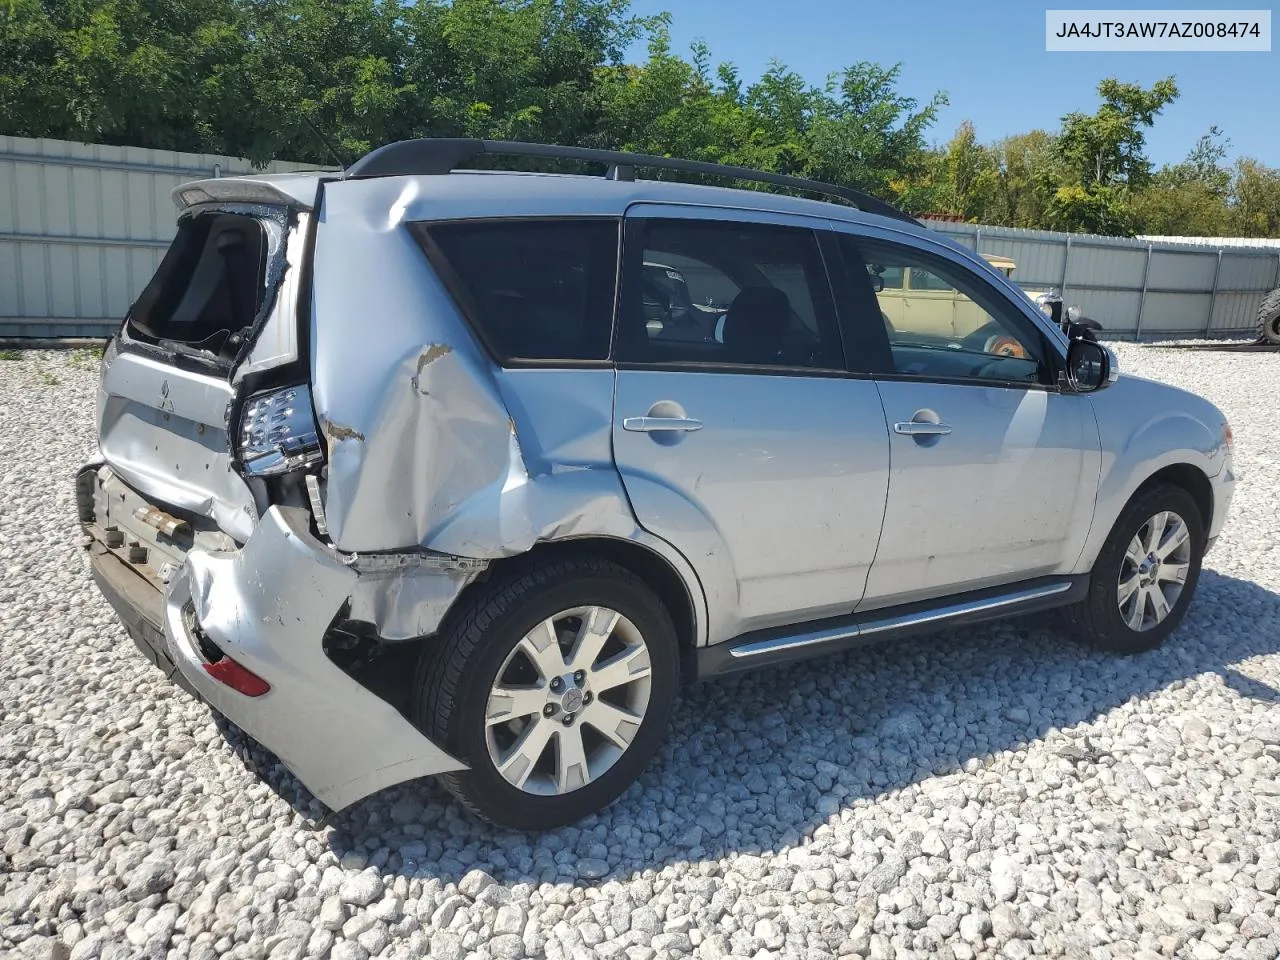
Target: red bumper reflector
[(237, 677)]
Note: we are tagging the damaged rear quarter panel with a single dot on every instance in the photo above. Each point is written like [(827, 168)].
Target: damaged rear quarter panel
[(410, 410), (431, 444)]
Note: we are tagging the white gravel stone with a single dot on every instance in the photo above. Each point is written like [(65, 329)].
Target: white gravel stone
[(1004, 877), (361, 889), (975, 926), (994, 791), (475, 883), (333, 913)]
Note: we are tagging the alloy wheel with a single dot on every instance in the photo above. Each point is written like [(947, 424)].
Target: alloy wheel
[(568, 700), (1154, 571)]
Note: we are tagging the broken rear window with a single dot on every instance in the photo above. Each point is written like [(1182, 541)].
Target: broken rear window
[(209, 287)]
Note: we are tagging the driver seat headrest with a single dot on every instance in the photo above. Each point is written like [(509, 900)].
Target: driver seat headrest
[(756, 323)]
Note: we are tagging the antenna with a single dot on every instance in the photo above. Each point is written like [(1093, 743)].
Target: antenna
[(333, 151)]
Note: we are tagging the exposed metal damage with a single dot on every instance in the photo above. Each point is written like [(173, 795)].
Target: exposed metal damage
[(430, 355), (267, 606), (336, 431)]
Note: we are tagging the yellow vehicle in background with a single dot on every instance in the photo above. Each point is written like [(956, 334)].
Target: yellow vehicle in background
[(917, 303)]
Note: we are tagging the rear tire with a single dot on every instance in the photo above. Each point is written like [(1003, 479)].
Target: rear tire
[(1143, 581), (1269, 318), (550, 731)]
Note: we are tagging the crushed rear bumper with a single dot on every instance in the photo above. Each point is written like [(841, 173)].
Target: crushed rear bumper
[(267, 606), (139, 605)]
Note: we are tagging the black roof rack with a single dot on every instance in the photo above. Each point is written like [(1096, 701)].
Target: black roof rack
[(444, 155)]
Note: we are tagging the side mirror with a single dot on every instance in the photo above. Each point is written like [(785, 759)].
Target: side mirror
[(877, 282), (1090, 366)]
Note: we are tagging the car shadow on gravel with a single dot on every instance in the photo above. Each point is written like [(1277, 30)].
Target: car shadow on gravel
[(757, 762)]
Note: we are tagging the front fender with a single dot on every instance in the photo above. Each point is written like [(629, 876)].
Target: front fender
[(1145, 427)]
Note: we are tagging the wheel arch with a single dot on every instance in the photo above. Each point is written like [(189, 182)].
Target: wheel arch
[(1190, 478), (1181, 473), (681, 598)]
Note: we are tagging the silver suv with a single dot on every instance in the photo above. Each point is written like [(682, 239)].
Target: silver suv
[(399, 473)]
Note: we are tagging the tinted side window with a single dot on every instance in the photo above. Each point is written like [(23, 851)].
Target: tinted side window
[(736, 294), (947, 322), (533, 289)]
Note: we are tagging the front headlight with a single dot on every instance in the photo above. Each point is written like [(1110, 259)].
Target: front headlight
[(278, 433)]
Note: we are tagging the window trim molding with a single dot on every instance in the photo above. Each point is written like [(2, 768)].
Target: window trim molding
[(742, 369), (420, 231), (966, 381)]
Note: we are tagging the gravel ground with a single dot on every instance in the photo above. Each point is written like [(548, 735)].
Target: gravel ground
[(988, 792)]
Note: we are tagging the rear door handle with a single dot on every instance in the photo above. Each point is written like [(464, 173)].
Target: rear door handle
[(654, 424), (919, 428)]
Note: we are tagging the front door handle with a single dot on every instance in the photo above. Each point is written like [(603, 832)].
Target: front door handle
[(921, 428), (654, 424)]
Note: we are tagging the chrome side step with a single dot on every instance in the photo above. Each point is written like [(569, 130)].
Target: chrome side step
[(777, 647)]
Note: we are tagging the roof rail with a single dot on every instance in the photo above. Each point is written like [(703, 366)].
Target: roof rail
[(444, 155)]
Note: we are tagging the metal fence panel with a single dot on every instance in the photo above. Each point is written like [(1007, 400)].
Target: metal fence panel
[(1235, 312), (1119, 307), (1250, 272), (1139, 285), (1182, 270), (1104, 267), (1039, 264), (83, 227), (1184, 312)]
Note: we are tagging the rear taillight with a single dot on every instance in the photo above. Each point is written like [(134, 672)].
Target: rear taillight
[(218, 665), (238, 678), (278, 433)]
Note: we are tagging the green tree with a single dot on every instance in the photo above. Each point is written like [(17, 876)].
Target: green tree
[(868, 135), (1255, 208), (968, 173), (114, 71), (1104, 156), (1027, 173), (245, 76), (258, 78), (1108, 147), (1188, 198), (857, 131)]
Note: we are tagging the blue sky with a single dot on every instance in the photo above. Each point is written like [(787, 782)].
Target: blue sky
[(989, 58)]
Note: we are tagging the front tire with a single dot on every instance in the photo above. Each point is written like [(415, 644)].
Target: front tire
[(1145, 574), (555, 686)]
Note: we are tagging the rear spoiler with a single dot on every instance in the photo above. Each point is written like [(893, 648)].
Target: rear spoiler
[(289, 189)]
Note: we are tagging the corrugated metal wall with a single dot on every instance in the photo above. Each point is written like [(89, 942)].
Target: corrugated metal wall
[(1138, 286), (82, 227)]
